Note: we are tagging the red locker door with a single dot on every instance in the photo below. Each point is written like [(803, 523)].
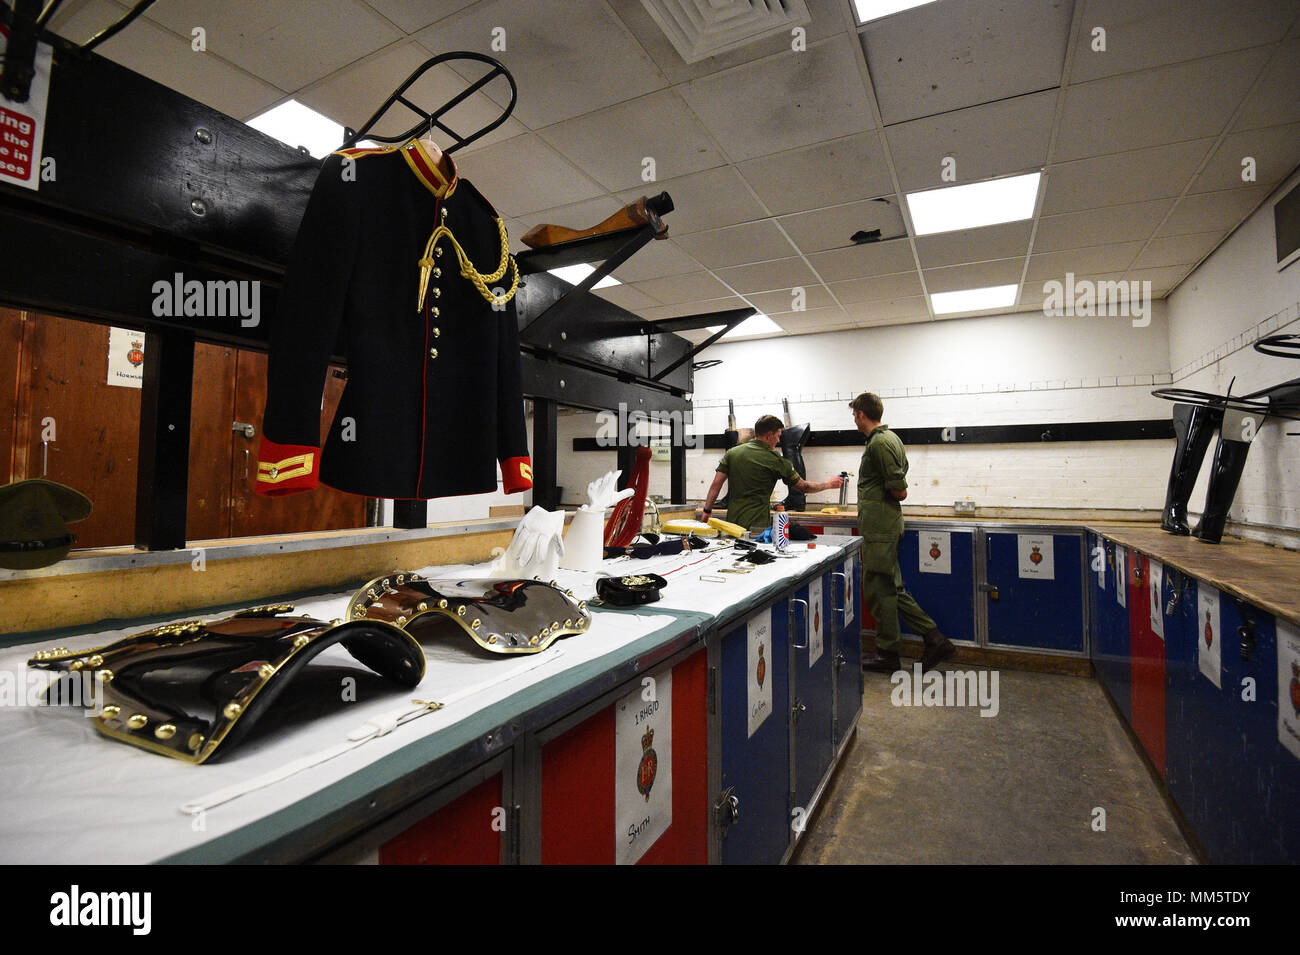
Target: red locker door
[(466, 831), (1147, 664), (578, 783)]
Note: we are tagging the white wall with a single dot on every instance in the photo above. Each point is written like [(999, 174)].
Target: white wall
[(1007, 369), (1234, 298)]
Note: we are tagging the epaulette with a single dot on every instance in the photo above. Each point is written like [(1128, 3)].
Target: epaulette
[(356, 152)]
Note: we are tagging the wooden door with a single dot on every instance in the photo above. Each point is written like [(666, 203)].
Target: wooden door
[(212, 409), (253, 515), (11, 349), (72, 427)]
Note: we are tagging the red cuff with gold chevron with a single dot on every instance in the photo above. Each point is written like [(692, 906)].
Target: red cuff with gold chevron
[(517, 474), (286, 468)]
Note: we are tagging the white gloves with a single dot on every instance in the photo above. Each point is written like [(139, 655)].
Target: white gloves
[(537, 546), (603, 493)]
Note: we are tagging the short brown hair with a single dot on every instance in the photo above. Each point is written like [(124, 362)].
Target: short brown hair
[(870, 405), (767, 424)]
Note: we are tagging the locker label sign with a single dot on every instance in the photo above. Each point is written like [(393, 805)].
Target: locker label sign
[(816, 622), (759, 680), (1037, 556), (1209, 642), (935, 549), (850, 575), (1288, 686), (1155, 578), (643, 767), (1121, 577)]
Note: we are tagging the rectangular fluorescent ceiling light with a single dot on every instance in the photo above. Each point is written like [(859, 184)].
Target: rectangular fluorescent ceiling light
[(973, 299), (573, 274), (978, 204), (758, 324), (868, 10), (297, 125)]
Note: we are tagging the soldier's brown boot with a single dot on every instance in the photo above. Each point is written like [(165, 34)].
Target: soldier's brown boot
[(883, 661), (937, 649)]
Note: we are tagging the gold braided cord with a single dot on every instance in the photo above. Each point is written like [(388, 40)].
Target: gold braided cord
[(467, 269)]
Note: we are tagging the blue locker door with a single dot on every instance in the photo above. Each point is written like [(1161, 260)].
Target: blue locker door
[(1110, 647), (848, 659), (813, 712), (1036, 612), (949, 598), (1192, 702), (755, 722)]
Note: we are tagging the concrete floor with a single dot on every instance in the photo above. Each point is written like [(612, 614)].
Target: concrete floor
[(945, 785)]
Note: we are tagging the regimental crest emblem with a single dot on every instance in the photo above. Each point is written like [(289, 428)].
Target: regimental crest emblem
[(1209, 631), (760, 672), (817, 620), (1035, 558), (935, 552), (1295, 688), (649, 765), (136, 355)]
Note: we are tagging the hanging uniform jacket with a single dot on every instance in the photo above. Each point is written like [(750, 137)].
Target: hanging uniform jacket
[(405, 271)]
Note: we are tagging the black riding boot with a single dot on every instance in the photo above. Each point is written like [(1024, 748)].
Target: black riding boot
[(1193, 426), (1225, 473)]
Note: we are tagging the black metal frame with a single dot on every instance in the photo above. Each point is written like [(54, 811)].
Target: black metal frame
[(151, 183)]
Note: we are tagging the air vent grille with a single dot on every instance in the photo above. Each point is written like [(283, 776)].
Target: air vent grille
[(704, 28)]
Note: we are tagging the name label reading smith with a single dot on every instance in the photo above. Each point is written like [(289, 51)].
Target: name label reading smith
[(103, 908)]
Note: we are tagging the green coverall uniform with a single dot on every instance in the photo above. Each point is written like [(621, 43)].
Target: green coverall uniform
[(880, 524), (752, 470)]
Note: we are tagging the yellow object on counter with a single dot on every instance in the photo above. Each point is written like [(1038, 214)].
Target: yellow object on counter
[(733, 530), (830, 510), (687, 526)]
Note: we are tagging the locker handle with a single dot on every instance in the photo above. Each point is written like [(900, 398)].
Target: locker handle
[(844, 591), (793, 601)]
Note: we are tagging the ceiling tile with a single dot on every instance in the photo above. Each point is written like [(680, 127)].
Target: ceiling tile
[(1102, 258), (554, 51), (825, 174), (828, 18), (993, 139), (886, 312), (352, 94), (1078, 230), (831, 228), (976, 275), (1163, 280), (737, 245), (782, 302), (857, 261), (946, 56), (1034, 294), (769, 276), (1144, 33), (412, 15), (522, 175), (162, 56), (655, 260), (310, 41), (877, 288), (974, 245), (1276, 151), (1213, 210), (705, 200), (1178, 250), (1276, 100), (612, 144), (790, 100), (1113, 180), (676, 289), (1184, 101), (813, 321), (682, 309), (625, 296)]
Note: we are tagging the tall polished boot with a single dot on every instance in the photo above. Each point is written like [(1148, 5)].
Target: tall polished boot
[(937, 649), (1225, 473), (1193, 426)]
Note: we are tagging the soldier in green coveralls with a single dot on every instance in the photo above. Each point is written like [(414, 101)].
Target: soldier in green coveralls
[(753, 469), (882, 486)]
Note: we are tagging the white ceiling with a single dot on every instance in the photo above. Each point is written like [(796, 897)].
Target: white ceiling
[(774, 157)]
